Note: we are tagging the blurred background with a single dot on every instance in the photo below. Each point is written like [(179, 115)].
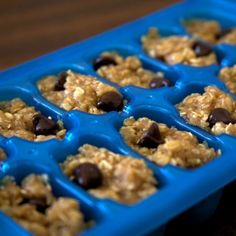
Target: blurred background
[(31, 28)]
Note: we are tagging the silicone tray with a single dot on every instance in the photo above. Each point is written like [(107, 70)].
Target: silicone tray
[(179, 189)]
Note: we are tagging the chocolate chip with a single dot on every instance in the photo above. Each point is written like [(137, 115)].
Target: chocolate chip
[(103, 61), (110, 101), (161, 58), (40, 204), (88, 175), (159, 82), (220, 115), (43, 126), (61, 79), (201, 49), (151, 138), (223, 33)]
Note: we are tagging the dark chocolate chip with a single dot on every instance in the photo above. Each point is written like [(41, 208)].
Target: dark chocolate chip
[(43, 126), (223, 33), (61, 80), (88, 175), (110, 101), (220, 115), (159, 82), (161, 58), (151, 138), (40, 204), (201, 49), (103, 61)]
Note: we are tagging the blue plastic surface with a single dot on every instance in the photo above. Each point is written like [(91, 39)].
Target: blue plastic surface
[(180, 189)]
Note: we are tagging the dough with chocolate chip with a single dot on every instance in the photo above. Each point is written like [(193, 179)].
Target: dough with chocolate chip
[(213, 111), (19, 119), (129, 70), (74, 91), (164, 145), (105, 174), (210, 31), (33, 205), (177, 49)]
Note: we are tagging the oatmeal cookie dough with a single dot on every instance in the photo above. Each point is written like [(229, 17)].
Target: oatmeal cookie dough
[(210, 31), (3, 155), (164, 145), (128, 71), (108, 175), (214, 111), (33, 205), (74, 91), (178, 49), (18, 119), (228, 76)]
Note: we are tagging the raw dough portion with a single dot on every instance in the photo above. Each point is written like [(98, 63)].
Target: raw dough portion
[(174, 49), (208, 30), (125, 179), (203, 29), (196, 108), (16, 120), (229, 38), (2, 155), (81, 92), (228, 76), (62, 217), (180, 148), (128, 71)]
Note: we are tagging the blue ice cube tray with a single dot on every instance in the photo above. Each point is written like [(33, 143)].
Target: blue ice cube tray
[(196, 192)]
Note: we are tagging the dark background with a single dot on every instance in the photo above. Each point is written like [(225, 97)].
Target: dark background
[(30, 28)]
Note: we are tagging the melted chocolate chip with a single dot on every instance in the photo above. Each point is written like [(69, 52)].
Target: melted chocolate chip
[(220, 115), (43, 126), (159, 82), (201, 49), (103, 61), (223, 33), (61, 80), (110, 101), (88, 175), (40, 204), (151, 138)]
